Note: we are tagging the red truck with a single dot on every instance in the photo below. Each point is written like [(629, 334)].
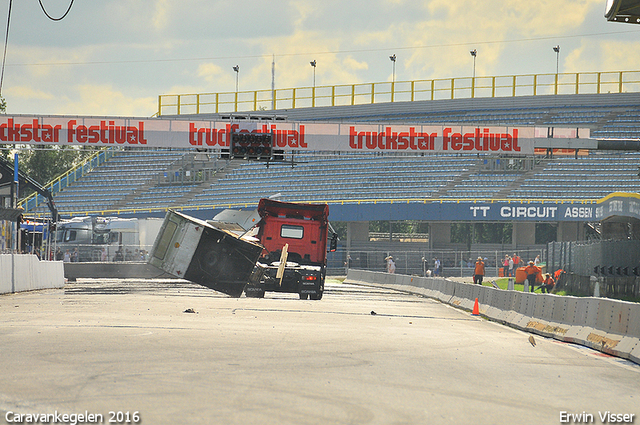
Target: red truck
[(302, 231)]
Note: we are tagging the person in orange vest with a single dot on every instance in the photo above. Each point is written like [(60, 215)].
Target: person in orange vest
[(478, 273), (532, 271), (548, 284), (516, 261)]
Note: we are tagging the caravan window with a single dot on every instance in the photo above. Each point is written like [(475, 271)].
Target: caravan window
[(165, 240)]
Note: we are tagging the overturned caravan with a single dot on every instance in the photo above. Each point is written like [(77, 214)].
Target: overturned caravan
[(192, 249)]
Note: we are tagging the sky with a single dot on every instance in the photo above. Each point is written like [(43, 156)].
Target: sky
[(114, 57)]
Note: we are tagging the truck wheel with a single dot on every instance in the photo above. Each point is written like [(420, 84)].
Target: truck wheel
[(304, 296)]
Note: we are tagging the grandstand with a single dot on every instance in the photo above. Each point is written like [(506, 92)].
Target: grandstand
[(142, 181), (524, 192)]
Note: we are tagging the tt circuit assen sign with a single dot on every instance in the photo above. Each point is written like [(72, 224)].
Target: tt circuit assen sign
[(515, 211), (531, 212), (288, 136)]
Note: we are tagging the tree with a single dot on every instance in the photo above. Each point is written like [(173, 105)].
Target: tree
[(5, 150), (45, 163), (469, 233)]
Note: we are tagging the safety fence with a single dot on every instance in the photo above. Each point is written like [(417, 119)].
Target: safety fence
[(610, 326), (614, 265), (69, 252), (453, 263), (401, 91)]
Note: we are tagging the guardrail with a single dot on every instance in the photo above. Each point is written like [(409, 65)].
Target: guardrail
[(606, 325), (401, 91)]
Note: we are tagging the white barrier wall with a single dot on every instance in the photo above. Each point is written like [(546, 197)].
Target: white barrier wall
[(607, 325), (21, 272)]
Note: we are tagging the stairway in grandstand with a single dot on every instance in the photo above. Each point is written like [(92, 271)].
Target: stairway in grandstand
[(507, 190)]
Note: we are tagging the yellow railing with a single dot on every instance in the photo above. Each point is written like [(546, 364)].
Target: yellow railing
[(401, 91), (62, 181), (122, 211)]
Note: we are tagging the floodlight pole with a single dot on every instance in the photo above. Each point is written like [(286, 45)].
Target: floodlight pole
[(237, 70), (393, 74), (273, 82), (473, 53), (557, 50), (313, 63)]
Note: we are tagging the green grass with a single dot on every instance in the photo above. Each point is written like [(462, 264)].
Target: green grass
[(503, 283), (334, 280)]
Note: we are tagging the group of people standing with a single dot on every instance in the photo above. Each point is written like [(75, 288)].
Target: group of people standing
[(391, 265), (532, 271), (67, 256), (511, 264)]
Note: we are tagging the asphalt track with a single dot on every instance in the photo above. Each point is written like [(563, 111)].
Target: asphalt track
[(358, 356)]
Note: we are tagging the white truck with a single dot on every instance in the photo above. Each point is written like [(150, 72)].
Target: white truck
[(120, 239)]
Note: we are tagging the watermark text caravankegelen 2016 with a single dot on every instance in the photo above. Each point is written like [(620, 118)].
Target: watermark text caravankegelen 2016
[(113, 417)]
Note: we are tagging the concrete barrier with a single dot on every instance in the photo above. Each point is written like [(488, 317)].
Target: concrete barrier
[(117, 270), (634, 321), (21, 272), (607, 325)]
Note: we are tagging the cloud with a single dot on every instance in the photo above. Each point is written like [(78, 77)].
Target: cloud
[(612, 56), (211, 73), (104, 100), (161, 14), (27, 93), (137, 49)]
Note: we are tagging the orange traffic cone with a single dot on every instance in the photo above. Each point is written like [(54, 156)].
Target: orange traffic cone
[(476, 309)]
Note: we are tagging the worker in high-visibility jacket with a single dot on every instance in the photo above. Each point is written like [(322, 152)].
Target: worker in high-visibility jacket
[(532, 272), (478, 273), (548, 284)]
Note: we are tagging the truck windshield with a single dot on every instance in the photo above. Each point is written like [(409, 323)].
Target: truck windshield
[(101, 237), (77, 235), (293, 232)]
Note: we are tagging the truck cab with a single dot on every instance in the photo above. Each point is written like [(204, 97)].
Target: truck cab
[(90, 235), (301, 231)]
